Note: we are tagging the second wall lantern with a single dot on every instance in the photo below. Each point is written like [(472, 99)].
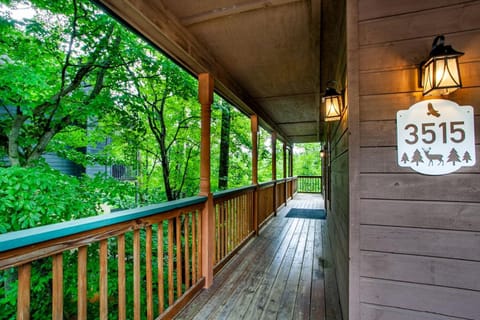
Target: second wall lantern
[(440, 74), (333, 104)]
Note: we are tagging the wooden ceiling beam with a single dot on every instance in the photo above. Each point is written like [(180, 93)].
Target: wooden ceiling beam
[(163, 29), (237, 8)]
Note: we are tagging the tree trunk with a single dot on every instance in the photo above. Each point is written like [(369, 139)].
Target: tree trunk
[(224, 149)]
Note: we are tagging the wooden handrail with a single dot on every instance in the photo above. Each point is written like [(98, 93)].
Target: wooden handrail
[(232, 192), (23, 238)]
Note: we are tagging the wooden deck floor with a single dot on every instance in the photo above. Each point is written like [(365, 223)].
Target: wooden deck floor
[(278, 275)]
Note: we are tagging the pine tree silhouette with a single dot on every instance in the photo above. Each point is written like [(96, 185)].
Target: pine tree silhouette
[(467, 157), (453, 156), (417, 157), (404, 158)]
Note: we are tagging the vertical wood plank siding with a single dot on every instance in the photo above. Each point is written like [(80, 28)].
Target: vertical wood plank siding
[(420, 235), (336, 170)]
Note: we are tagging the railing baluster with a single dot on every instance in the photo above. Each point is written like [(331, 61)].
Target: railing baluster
[(57, 287), (82, 283), (216, 255), (170, 262), (122, 290), (199, 245), (23, 296), (236, 223), (161, 278), (222, 231), (178, 225), (148, 269), (311, 184), (136, 275), (103, 252), (187, 251), (194, 248)]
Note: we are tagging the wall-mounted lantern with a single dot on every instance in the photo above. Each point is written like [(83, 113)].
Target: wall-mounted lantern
[(440, 74), (322, 153), (333, 104)]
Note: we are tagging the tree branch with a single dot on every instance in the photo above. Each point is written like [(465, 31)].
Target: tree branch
[(179, 126)]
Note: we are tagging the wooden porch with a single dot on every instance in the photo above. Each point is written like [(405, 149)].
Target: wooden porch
[(283, 273)]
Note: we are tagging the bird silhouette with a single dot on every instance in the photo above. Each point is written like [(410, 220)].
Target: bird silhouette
[(432, 111)]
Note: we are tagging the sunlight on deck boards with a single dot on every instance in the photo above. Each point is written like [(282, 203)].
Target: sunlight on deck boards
[(278, 275)]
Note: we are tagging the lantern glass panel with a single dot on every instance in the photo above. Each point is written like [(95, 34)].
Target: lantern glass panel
[(441, 76), (333, 105)]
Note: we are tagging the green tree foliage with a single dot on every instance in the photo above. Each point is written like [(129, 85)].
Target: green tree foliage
[(264, 156), (165, 96), (279, 157), (307, 161), (54, 74), (240, 146), (40, 195)]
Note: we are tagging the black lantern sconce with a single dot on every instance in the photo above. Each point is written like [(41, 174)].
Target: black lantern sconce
[(333, 103), (440, 74)]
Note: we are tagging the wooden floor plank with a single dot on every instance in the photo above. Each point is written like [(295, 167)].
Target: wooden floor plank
[(292, 287), (303, 301), (317, 305), (261, 296), (278, 287), (240, 277), (231, 273), (332, 302), (209, 297), (277, 275), (247, 289)]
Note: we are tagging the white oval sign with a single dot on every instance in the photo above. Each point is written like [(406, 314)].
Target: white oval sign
[(436, 137)]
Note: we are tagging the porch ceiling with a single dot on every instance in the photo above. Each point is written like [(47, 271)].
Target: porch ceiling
[(264, 54)]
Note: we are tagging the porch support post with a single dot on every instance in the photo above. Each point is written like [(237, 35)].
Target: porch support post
[(205, 97), (274, 170), (254, 128), (290, 169), (291, 161)]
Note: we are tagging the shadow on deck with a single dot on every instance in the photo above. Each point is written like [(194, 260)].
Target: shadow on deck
[(281, 274)]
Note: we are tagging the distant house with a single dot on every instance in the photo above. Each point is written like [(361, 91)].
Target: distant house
[(117, 171)]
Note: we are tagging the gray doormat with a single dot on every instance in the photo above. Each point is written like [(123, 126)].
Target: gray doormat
[(306, 213)]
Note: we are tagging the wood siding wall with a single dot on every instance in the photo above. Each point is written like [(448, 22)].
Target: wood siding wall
[(419, 235), (337, 160)]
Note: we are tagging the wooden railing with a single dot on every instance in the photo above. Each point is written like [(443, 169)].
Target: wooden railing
[(280, 193), (233, 221), (133, 264), (309, 184), (131, 260), (265, 201), (291, 185)]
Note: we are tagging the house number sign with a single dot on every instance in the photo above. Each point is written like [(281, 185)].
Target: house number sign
[(436, 137)]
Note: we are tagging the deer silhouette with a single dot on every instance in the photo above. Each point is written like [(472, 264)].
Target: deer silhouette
[(432, 157)]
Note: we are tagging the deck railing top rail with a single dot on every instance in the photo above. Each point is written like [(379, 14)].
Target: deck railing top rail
[(18, 239), (229, 192)]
